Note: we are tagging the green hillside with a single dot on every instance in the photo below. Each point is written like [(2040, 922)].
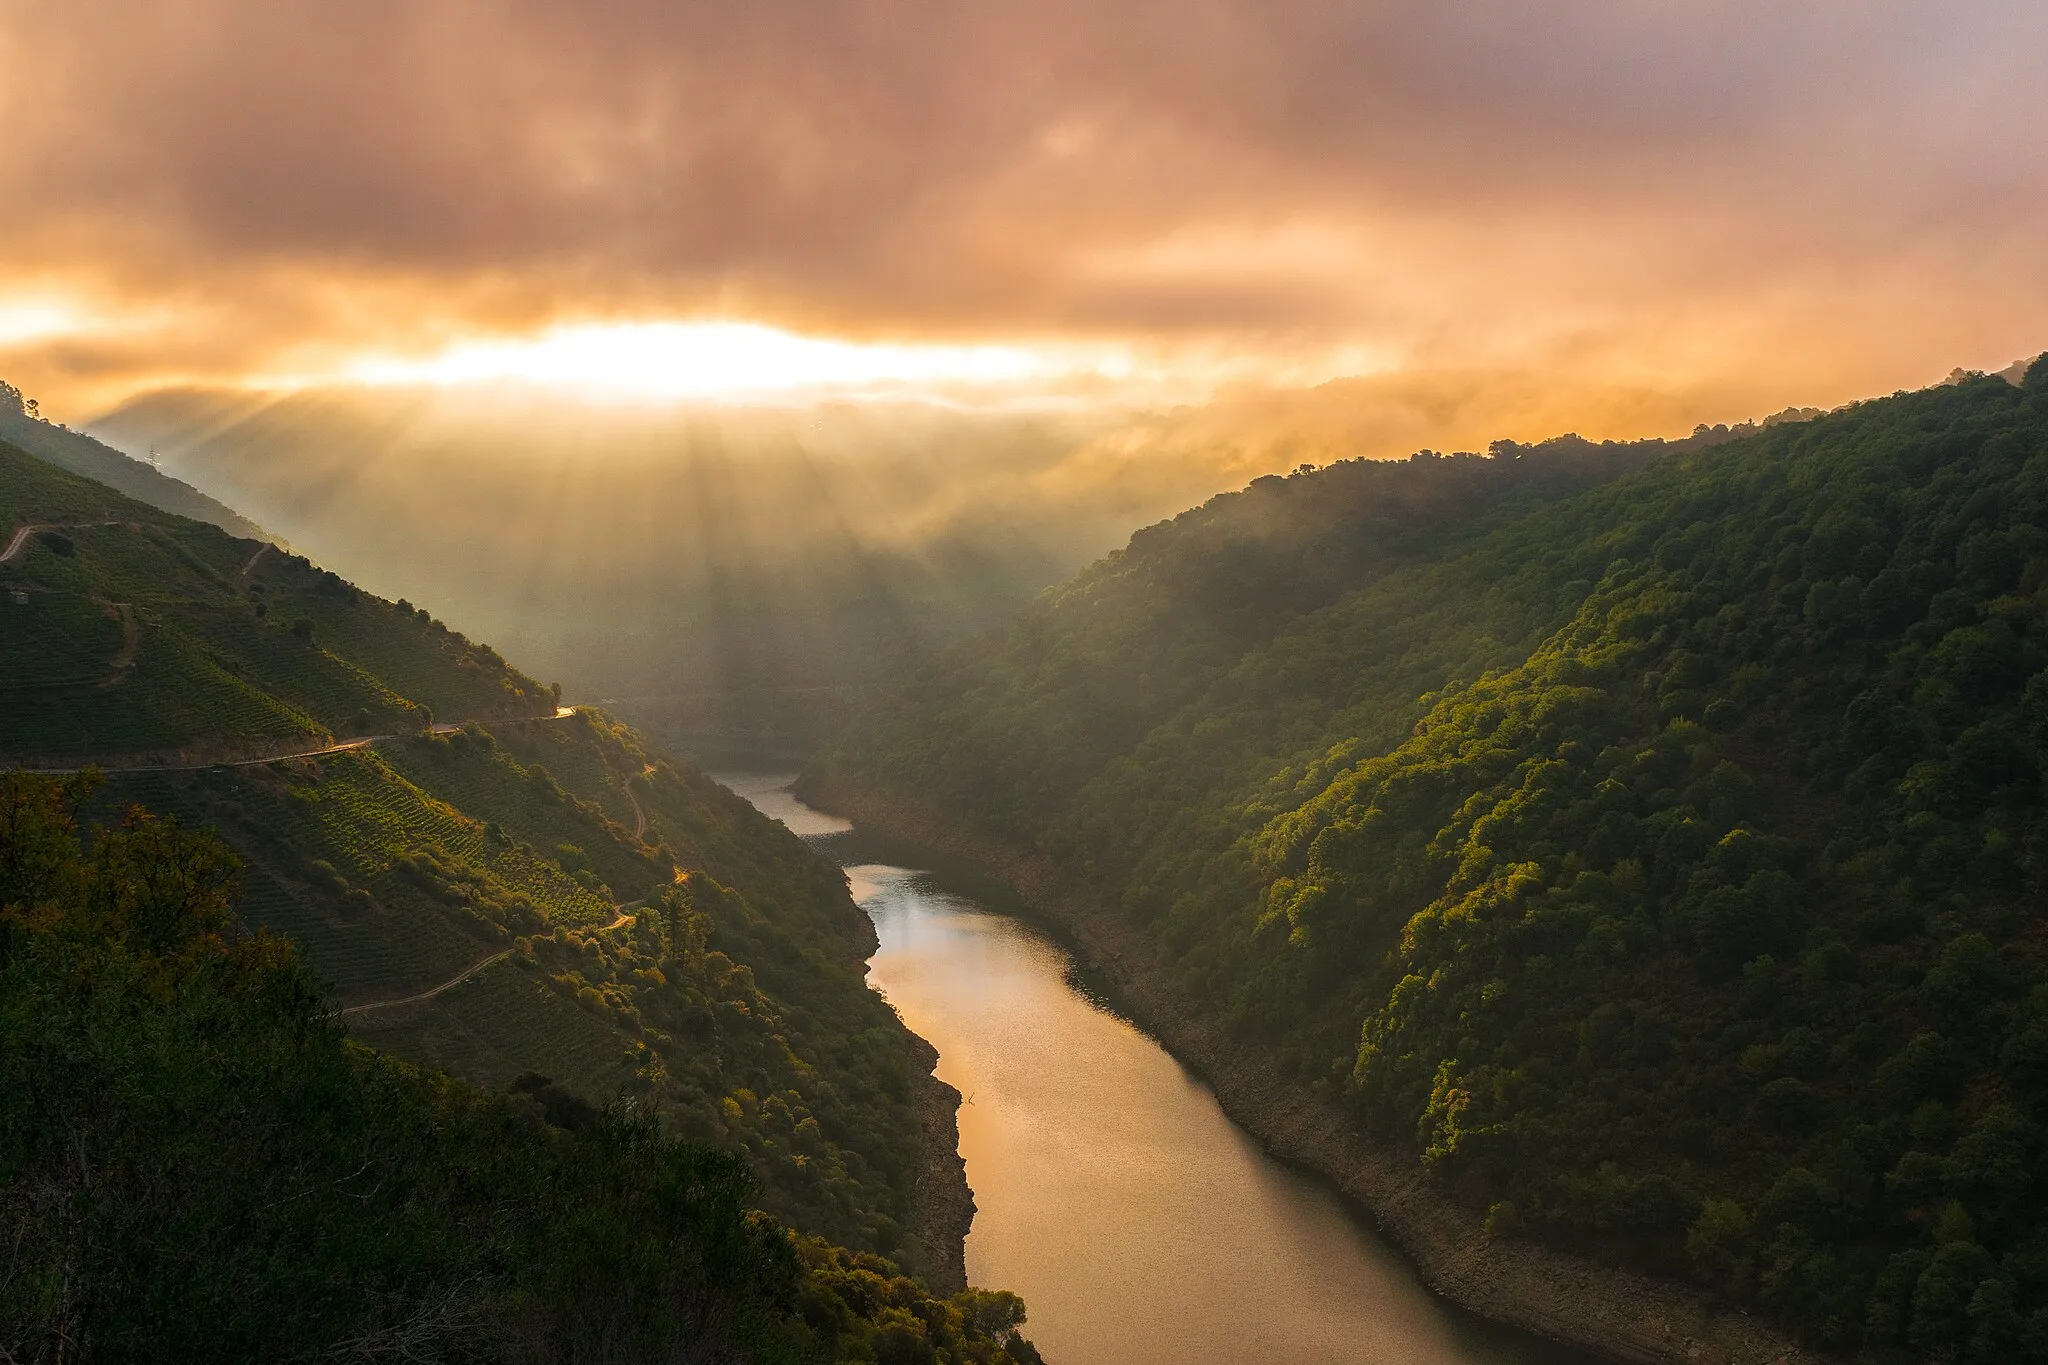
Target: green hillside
[(81, 454), (196, 1163), (516, 895), (715, 966), (1661, 863), (131, 631)]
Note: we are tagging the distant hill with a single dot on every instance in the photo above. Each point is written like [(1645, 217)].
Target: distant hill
[(81, 454), (728, 576), (1653, 854), (533, 901)]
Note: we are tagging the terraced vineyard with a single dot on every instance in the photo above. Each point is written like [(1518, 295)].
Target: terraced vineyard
[(200, 1165), (605, 761), (503, 1023), (473, 770), (364, 947), (125, 630), (715, 967), (57, 640)]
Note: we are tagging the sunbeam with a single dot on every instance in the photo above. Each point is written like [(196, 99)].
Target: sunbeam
[(667, 361)]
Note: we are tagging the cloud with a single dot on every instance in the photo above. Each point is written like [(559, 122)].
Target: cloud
[(1846, 191)]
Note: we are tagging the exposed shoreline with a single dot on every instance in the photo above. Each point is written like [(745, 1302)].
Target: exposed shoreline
[(942, 1206), (1565, 1298)]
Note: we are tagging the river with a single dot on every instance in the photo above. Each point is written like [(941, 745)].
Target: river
[(1138, 1223)]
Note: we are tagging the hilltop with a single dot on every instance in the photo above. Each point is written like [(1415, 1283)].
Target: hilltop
[(716, 574), (83, 455), (1641, 865)]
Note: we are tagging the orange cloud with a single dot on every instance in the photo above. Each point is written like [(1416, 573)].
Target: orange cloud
[(1696, 198)]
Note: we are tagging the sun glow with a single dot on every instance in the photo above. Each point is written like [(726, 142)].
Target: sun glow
[(37, 319), (729, 360)]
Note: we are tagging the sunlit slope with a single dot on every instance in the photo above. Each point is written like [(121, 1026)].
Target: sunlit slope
[(1015, 724), (1661, 866), (82, 455), (131, 631)]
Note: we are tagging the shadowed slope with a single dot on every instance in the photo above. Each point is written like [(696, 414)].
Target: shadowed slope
[(1659, 867)]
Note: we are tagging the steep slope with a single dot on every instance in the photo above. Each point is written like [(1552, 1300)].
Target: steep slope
[(531, 900), (82, 455), (132, 631), (490, 917), (1016, 723), (195, 1163), (1658, 869)]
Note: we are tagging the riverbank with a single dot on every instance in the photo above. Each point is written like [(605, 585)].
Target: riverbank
[(942, 1206), (1565, 1298)]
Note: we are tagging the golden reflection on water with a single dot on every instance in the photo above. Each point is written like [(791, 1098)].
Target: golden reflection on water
[(1140, 1225), (769, 794)]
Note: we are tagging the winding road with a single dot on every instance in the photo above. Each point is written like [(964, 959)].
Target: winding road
[(474, 969), (340, 746), (124, 660), (20, 541), (639, 815), (465, 974)]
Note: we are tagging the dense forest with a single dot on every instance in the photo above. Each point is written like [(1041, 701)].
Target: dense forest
[(1653, 847), (596, 984), (196, 1162)]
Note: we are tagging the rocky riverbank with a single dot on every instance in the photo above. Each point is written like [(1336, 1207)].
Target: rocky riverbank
[(942, 1205), (1570, 1299)]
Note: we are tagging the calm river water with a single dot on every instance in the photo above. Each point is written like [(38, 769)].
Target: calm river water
[(1140, 1225)]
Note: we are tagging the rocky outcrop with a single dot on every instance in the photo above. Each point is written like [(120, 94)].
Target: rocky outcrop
[(941, 1205)]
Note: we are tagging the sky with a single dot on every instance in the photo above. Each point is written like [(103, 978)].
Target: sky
[(1490, 217)]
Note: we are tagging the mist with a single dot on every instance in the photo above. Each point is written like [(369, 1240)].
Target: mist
[(714, 572)]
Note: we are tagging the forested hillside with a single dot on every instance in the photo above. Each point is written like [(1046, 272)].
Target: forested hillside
[(1660, 863), (602, 941)]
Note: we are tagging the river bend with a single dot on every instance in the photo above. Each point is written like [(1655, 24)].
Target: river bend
[(1139, 1224)]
